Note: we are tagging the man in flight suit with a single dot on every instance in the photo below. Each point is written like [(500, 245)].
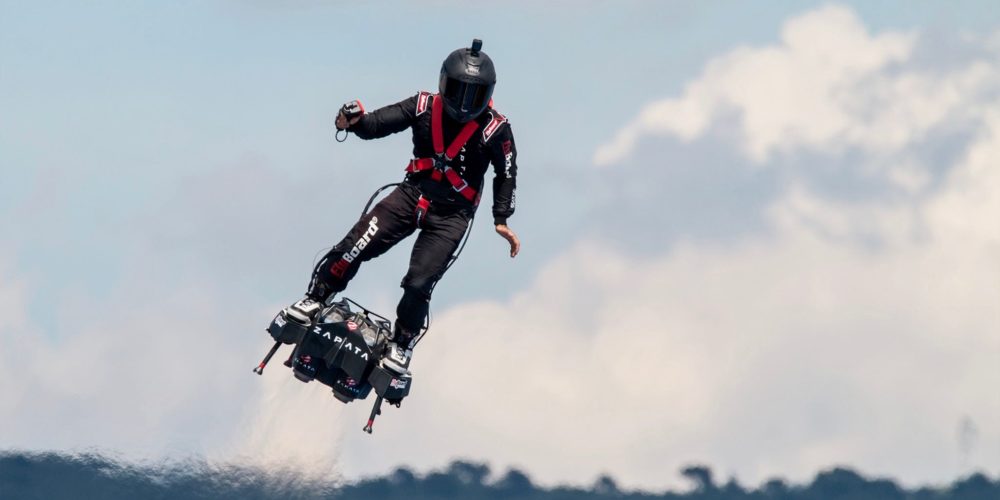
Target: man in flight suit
[(457, 134)]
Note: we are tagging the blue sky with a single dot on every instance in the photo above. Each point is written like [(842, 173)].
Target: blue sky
[(172, 165), (108, 106)]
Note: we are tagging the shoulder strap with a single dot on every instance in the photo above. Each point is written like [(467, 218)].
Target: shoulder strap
[(437, 132)]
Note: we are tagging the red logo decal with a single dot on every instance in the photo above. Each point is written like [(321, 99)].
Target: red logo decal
[(422, 103), (352, 326), (493, 126), (339, 268)]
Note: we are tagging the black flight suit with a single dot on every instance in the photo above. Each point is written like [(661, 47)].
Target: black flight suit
[(445, 222)]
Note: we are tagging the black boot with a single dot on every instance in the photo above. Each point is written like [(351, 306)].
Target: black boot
[(304, 310), (398, 352)]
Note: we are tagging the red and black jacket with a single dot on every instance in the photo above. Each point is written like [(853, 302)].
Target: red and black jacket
[(491, 142)]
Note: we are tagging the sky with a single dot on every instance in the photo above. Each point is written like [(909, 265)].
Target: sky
[(757, 235)]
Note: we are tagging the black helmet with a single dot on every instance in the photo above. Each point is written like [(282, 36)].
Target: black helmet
[(467, 81)]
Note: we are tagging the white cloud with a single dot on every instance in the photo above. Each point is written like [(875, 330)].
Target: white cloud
[(829, 85), (13, 317), (13, 300), (848, 332), (779, 355), (156, 372)]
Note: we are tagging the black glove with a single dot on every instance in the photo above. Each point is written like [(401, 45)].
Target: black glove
[(351, 110)]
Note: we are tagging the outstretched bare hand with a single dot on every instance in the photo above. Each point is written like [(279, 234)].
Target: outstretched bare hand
[(508, 234)]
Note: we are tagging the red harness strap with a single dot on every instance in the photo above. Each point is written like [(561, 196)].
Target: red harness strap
[(444, 156), (423, 205)]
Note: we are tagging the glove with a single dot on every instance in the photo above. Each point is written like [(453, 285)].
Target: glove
[(351, 112)]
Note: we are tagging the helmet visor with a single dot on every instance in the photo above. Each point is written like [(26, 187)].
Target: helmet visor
[(465, 97)]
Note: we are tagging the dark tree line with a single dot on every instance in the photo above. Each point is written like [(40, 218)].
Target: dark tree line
[(57, 476), (468, 480)]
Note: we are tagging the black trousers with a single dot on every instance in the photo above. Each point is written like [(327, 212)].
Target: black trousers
[(393, 219)]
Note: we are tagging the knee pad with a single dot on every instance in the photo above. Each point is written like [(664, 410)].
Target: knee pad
[(418, 286)]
